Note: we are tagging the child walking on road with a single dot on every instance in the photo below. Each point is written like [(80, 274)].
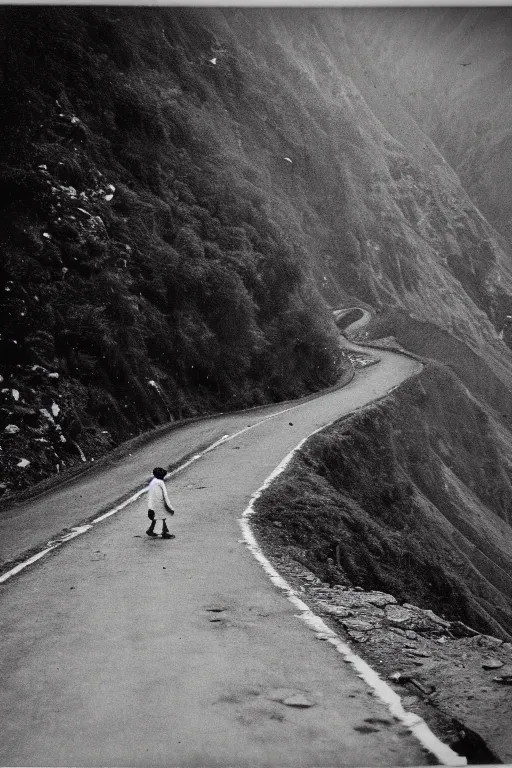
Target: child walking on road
[(158, 503)]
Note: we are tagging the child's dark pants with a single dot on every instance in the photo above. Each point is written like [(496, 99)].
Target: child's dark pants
[(152, 517)]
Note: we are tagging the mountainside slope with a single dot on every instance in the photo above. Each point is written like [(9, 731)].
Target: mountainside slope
[(147, 275), (188, 193), (452, 68), (416, 496), (390, 220), (186, 184)]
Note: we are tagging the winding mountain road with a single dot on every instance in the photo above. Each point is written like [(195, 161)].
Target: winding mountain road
[(117, 649), (360, 322)]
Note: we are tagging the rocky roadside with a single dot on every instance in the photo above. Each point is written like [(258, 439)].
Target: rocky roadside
[(457, 680)]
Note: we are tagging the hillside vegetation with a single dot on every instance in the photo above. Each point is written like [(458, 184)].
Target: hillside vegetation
[(186, 191), (146, 274)]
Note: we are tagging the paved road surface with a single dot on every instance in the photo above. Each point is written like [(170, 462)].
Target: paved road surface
[(111, 650), (32, 523)]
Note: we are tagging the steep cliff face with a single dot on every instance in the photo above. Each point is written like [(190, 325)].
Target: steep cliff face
[(188, 189), (452, 69), (413, 497)]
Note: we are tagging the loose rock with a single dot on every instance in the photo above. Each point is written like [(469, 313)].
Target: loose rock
[(297, 700), (492, 664), (336, 610), (486, 641), (400, 677), (397, 615), (357, 624), (503, 679), (366, 729)]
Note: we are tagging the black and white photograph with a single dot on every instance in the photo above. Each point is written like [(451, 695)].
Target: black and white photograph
[(255, 385)]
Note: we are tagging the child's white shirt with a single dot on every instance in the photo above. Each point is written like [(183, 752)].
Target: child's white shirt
[(157, 496)]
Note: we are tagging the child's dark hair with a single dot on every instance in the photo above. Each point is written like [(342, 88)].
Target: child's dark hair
[(159, 472)]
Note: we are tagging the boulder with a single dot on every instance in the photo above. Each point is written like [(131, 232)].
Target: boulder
[(398, 616), (335, 610), (505, 675), (359, 625), (492, 664), (418, 652), (370, 613), (297, 700), (408, 617), (486, 641)]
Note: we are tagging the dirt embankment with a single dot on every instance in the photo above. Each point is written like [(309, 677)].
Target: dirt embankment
[(411, 497)]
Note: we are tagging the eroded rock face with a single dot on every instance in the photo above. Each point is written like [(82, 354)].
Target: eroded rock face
[(361, 612), (354, 597)]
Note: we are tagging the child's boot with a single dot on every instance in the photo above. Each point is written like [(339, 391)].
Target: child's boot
[(165, 531), (151, 530)]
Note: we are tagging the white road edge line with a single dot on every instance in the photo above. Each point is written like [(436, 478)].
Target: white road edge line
[(78, 530), (382, 690)]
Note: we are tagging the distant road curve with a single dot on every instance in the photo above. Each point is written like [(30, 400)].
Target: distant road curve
[(359, 322)]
